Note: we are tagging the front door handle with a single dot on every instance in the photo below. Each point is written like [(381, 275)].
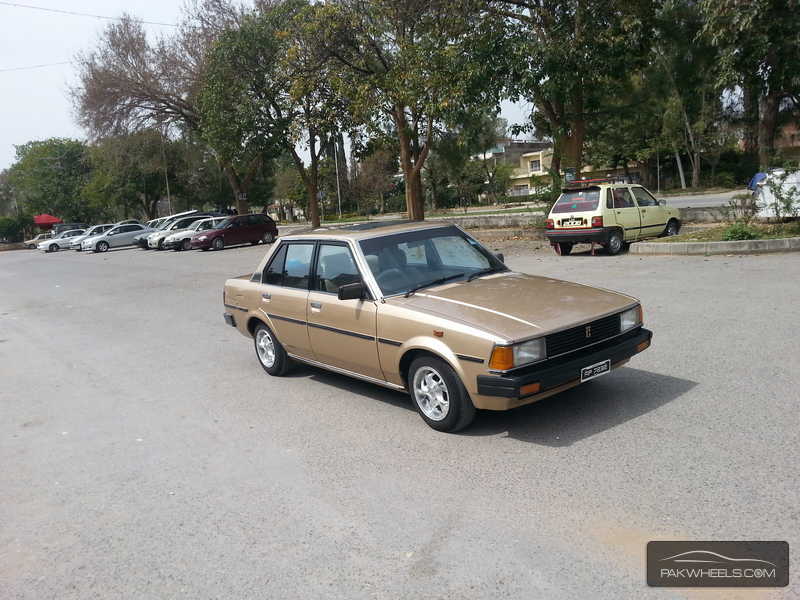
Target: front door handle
[(266, 296), (316, 305), (644, 210)]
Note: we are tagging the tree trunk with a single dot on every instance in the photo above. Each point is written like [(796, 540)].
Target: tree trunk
[(238, 189), (767, 126), (555, 169), (680, 169), (412, 166), (312, 189), (750, 94)]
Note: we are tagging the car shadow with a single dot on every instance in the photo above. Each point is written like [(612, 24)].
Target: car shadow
[(560, 420), (584, 411)]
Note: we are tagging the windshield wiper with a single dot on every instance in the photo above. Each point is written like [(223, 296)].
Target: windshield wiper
[(434, 282), (483, 272)]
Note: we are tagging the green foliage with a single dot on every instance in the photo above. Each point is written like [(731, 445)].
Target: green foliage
[(48, 176), (740, 231), (13, 229), (786, 197)]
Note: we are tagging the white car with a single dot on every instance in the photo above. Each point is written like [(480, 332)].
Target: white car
[(62, 240), (182, 239), (156, 239), (91, 232), (117, 236)]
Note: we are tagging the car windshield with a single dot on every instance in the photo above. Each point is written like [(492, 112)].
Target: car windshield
[(413, 260), (223, 223), (577, 201)]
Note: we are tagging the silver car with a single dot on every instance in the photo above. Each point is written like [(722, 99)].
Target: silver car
[(91, 232), (61, 241), (116, 237), (156, 239)]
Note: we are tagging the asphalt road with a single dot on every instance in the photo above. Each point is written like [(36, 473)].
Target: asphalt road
[(702, 200), (145, 454)]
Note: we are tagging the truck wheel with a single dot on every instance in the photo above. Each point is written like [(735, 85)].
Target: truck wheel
[(563, 248), (438, 395), (270, 353), (614, 243)]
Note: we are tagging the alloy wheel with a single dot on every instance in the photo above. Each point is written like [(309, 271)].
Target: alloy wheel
[(431, 393), (265, 347)]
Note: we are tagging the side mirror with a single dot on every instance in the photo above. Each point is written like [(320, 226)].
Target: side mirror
[(352, 291), (499, 256)]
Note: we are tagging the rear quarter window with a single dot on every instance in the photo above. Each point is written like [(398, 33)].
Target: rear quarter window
[(577, 201)]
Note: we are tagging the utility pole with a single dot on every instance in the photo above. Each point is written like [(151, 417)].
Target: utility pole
[(166, 179), (658, 172)]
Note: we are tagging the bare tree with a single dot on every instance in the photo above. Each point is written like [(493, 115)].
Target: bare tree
[(129, 82)]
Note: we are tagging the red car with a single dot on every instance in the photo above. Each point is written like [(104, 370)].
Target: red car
[(239, 229)]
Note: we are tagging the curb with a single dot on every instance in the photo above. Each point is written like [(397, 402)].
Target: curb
[(791, 244)]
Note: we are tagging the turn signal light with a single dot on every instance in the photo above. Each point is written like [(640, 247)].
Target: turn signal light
[(502, 358), (643, 345), (531, 388), (597, 221), (549, 224)]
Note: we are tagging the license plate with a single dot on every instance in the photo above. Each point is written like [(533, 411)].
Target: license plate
[(573, 222), (595, 370)]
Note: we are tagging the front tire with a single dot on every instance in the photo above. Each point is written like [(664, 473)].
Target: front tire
[(673, 227), (438, 395), (269, 351), (53, 248), (102, 247), (268, 238), (615, 242), (218, 243), (186, 244)]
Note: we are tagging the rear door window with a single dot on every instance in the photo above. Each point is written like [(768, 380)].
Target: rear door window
[(622, 198), (273, 274), (577, 201), (298, 265)]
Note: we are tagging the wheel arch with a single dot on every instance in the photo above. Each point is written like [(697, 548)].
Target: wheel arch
[(420, 348)]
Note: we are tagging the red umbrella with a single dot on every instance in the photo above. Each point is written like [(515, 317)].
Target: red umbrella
[(45, 221)]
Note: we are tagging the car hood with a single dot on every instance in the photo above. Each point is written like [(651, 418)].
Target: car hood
[(515, 306)]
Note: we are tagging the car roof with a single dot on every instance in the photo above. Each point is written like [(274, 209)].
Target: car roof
[(360, 231)]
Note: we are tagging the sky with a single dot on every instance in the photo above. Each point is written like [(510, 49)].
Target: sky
[(35, 103)]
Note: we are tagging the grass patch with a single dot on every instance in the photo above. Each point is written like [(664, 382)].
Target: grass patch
[(737, 231)]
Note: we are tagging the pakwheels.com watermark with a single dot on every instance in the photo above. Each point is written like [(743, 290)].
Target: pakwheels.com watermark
[(717, 564)]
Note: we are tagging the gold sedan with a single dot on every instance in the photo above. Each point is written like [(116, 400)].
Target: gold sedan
[(425, 308)]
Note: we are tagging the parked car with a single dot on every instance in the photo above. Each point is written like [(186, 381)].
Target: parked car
[(116, 237), (238, 229), (156, 239), (62, 227), (425, 308), (163, 223), (182, 239), (610, 214), (37, 239), (60, 241), (91, 232)]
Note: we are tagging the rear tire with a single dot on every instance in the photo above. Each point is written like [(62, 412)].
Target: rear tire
[(268, 238), (439, 395), (269, 351), (218, 243), (615, 242), (186, 244), (563, 248)]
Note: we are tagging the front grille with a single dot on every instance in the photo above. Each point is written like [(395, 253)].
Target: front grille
[(576, 337)]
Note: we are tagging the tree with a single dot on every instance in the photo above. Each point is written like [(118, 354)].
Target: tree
[(374, 179), (405, 67), (564, 56), (265, 93), (759, 43), (129, 83), (48, 176)]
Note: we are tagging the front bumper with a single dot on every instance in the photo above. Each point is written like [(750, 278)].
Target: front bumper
[(598, 235), (564, 370), (229, 319), (170, 244), (142, 243), (152, 244)]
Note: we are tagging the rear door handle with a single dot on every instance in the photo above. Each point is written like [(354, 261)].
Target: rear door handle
[(317, 305)]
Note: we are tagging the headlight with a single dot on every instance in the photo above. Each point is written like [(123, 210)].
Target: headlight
[(508, 357), (631, 318), (203, 238)]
